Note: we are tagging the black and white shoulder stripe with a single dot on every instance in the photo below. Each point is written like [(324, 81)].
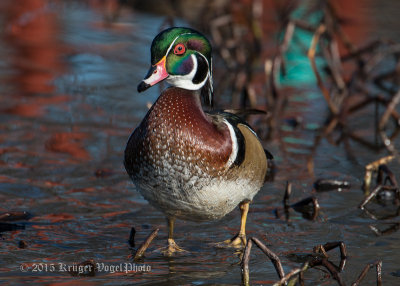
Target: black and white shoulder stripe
[(238, 141)]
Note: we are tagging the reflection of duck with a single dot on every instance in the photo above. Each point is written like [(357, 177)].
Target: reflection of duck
[(191, 164)]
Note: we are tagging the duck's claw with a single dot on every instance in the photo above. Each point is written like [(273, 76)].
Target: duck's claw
[(172, 248), (238, 241)]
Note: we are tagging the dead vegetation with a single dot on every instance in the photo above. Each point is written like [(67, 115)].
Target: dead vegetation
[(318, 257)]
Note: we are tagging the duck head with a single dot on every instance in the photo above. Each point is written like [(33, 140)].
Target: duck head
[(182, 57)]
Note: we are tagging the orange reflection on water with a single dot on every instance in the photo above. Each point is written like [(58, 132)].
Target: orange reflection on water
[(69, 143), (32, 31), (52, 218)]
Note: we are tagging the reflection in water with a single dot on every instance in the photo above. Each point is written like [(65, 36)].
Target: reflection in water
[(68, 143), (32, 32), (35, 58)]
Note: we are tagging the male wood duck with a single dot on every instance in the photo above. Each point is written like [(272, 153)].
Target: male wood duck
[(190, 164)]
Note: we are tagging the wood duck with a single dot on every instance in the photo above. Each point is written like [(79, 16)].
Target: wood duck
[(188, 163)]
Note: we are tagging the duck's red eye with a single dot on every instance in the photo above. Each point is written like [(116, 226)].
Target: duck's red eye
[(179, 49)]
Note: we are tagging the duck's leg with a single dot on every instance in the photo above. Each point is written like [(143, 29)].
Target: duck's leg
[(172, 246), (239, 239)]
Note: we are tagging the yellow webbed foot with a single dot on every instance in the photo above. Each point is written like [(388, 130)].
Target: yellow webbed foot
[(238, 241), (172, 248)]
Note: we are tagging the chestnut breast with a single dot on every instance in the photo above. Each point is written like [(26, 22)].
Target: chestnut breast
[(176, 134)]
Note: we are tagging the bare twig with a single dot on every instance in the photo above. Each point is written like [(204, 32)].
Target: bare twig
[(246, 258), (373, 167), (364, 272), (245, 263), (331, 245), (311, 55), (290, 275), (332, 270), (369, 48), (272, 256), (283, 48), (394, 227), (379, 273), (389, 110), (140, 252), (370, 196), (288, 192), (378, 57)]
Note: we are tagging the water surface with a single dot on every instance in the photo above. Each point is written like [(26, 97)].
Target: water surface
[(67, 107)]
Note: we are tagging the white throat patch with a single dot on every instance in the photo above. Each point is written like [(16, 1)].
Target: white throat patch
[(186, 81)]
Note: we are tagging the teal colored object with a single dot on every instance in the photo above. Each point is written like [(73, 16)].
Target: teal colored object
[(298, 66)]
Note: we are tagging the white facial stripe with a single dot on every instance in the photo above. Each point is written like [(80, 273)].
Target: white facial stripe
[(173, 42), (186, 81), (235, 146)]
